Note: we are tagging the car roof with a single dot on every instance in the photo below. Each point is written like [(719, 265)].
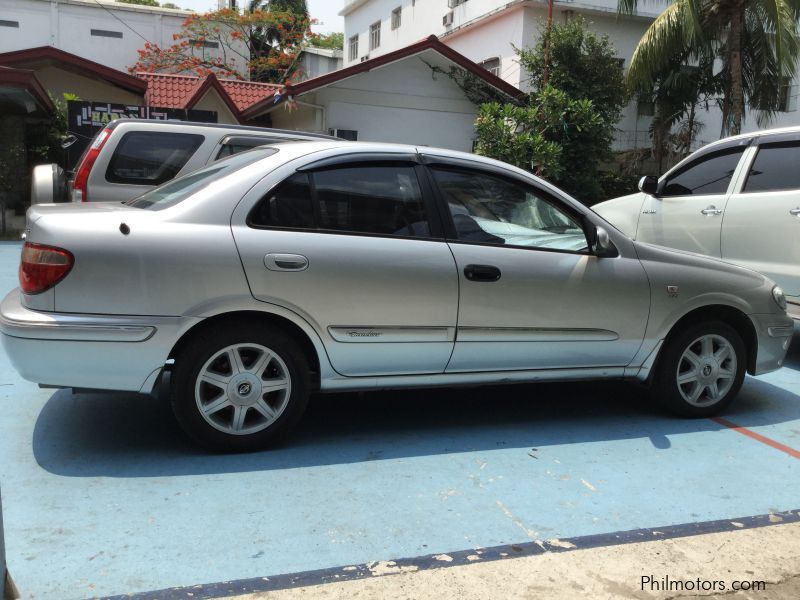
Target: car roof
[(249, 129), (759, 133)]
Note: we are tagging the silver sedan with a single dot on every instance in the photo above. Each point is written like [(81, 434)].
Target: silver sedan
[(326, 266)]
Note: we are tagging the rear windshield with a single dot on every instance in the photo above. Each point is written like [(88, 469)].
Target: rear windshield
[(179, 189)]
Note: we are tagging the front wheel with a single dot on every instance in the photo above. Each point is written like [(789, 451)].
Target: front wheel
[(240, 387), (701, 370)]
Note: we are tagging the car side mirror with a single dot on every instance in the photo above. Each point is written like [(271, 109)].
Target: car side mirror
[(599, 242), (649, 185)]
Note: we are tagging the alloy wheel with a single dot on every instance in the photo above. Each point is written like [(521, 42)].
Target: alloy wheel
[(243, 389), (706, 370)]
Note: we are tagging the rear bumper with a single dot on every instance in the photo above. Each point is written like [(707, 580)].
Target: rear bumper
[(116, 352), (774, 334)]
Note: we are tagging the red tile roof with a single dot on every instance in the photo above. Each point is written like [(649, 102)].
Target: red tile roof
[(246, 93), (169, 91), (184, 91)]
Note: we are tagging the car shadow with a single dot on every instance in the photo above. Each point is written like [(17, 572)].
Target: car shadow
[(129, 435)]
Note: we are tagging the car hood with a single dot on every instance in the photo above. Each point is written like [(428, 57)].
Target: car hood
[(684, 258)]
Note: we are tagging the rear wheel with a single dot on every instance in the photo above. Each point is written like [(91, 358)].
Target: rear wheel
[(701, 370), (240, 387)]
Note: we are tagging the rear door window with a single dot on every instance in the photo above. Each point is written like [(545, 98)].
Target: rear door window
[(775, 168), (373, 199), (288, 206), (151, 157)]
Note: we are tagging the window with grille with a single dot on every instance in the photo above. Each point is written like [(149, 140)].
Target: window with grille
[(353, 47), (374, 35), (397, 15)]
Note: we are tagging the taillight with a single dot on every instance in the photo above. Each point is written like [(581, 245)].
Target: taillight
[(82, 172), (42, 267)]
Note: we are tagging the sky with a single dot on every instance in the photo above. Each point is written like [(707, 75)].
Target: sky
[(322, 10)]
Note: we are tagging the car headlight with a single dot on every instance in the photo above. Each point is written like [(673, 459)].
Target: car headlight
[(779, 297)]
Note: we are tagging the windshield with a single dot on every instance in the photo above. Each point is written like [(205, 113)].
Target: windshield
[(179, 189)]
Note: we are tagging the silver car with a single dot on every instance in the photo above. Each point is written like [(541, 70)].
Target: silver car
[(329, 266)]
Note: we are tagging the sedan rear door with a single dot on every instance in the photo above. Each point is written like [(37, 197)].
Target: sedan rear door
[(354, 246)]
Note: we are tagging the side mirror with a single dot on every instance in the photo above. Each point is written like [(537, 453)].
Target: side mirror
[(599, 242), (649, 185)]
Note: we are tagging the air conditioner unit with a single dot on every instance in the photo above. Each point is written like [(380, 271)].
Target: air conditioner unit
[(345, 134), (447, 20)]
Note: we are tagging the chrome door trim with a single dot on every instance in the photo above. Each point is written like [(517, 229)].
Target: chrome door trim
[(394, 334), (534, 334)]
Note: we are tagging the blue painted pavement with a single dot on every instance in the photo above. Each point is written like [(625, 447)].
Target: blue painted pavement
[(102, 494)]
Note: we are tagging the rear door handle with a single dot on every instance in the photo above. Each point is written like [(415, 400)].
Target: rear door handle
[(286, 262), (481, 273), (795, 211), (711, 210)]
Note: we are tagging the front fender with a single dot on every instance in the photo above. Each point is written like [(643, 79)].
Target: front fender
[(623, 212)]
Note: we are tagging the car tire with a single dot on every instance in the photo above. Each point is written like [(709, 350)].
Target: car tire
[(240, 386), (700, 370)]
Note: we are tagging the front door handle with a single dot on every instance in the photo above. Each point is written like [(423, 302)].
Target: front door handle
[(481, 273), (795, 211), (286, 262), (711, 210)]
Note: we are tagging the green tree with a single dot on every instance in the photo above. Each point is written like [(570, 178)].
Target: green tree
[(530, 136), (582, 100), (291, 21), (582, 64), (677, 92), (756, 41), (331, 41), (268, 42)]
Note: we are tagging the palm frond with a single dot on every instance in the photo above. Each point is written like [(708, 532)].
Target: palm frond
[(674, 31)]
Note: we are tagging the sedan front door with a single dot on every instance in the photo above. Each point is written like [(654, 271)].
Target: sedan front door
[(532, 295)]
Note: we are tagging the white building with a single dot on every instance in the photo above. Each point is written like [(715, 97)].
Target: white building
[(404, 96), (486, 31), (110, 33), (318, 61)]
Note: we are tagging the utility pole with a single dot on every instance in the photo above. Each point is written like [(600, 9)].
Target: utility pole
[(548, 31)]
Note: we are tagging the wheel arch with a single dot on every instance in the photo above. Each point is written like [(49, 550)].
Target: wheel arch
[(307, 345), (727, 314)]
